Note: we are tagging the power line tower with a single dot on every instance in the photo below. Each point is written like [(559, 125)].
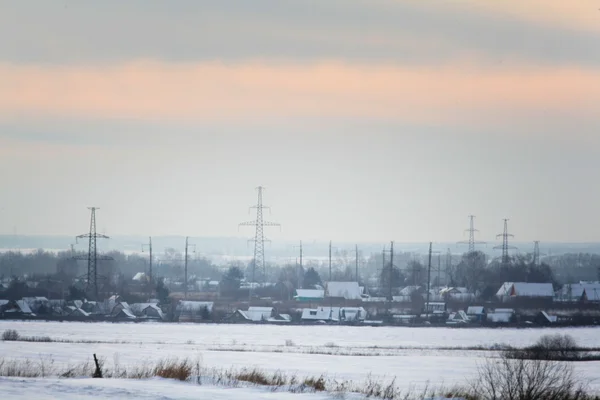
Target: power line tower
[(259, 237), (92, 257), (536, 252), (149, 245), (448, 266), (428, 281), (185, 268), (356, 261), (471, 242), (505, 246)]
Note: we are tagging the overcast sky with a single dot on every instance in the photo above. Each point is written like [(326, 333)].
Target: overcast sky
[(366, 120)]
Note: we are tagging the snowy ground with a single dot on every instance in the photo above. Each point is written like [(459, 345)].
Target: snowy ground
[(289, 348), (163, 389)]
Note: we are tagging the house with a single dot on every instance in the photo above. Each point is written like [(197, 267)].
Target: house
[(78, 312), (501, 315), (321, 314), (459, 317), (120, 306), (346, 290), (352, 314), (435, 307), (307, 295), (147, 310), (16, 307), (193, 311), (280, 318), (124, 314), (543, 318), (92, 307), (476, 313), (511, 290), (579, 292), (258, 314)]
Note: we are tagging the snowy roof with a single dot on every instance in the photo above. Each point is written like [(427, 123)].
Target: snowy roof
[(347, 290), (258, 314), (139, 276), (188, 305), (23, 306), (577, 290), (524, 289), (475, 310), (549, 318), (310, 293), (125, 312), (78, 312), (409, 290), (139, 307), (353, 313), (3, 302), (321, 313)]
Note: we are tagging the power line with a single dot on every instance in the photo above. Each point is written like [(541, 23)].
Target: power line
[(92, 257)]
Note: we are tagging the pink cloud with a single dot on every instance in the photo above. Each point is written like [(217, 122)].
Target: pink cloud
[(217, 91)]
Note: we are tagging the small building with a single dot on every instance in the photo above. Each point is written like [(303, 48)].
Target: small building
[(321, 314), (352, 314), (16, 307), (147, 310), (79, 313), (501, 316), (309, 295), (579, 292), (124, 314), (92, 307), (476, 313), (120, 306), (141, 277), (459, 317)]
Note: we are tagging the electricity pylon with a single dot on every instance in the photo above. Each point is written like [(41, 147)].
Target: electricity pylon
[(471, 242), (92, 257), (259, 237), (505, 246)]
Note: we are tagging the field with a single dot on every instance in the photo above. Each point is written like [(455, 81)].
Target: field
[(416, 357)]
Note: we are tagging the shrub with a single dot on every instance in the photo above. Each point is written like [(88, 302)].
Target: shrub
[(549, 347), (10, 334), (174, 369), (520, 379)]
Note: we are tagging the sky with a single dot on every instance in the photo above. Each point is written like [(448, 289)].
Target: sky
[(370, 120)]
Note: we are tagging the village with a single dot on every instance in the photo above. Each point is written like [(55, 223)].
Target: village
[(514, 304)]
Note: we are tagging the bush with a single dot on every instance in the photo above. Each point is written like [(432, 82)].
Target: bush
[(527, 380), (10, 334), (174, 369), (549, 347)]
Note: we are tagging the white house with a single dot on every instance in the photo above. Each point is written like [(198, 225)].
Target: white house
[(352, 314), (309, 294)]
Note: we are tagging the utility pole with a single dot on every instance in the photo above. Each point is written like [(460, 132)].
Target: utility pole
[(536, 252), (505, 246), (391, 271), (149, 245), (259, 237), (428, 282), (356, 257), (448, 265), (187, 245), (471, 242), (92, 257), (439, 269), (330, 261), (300, 268)]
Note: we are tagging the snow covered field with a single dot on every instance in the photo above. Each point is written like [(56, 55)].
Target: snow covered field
[(408, 354)]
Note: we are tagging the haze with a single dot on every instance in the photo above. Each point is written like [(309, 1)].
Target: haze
[(366, 120)]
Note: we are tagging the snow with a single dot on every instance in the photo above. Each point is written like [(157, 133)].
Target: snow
[(156, 388), (524, 289), (347, 290), (264, 346)]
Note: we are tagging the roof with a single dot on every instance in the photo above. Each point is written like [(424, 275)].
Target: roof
[(353, 313), (525, 289), (347, 290), (125, 313), (258, 314), (310, 293), (23, 306), (78, 312), (475, 310), (139, 276), (549, 318), (574, 291)]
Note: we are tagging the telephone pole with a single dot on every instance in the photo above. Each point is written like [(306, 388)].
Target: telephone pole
[(505, 246), (187, 245), (448, 265), (428, 282), (92, 257), (356, 257), (391, 277), (259, 237), (471, 242), (149, 245), (536, 252)]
